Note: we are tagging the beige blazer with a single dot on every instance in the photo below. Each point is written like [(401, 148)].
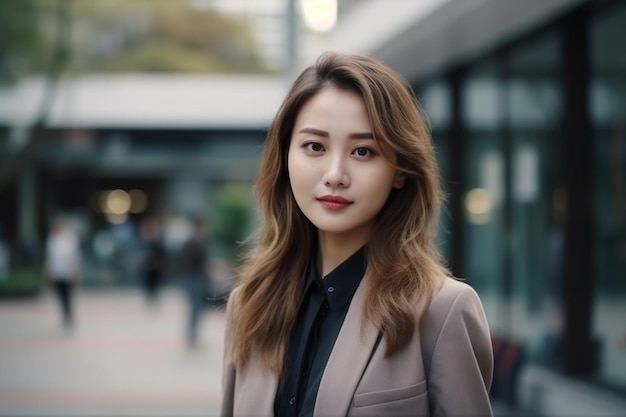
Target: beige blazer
[(453, 343)]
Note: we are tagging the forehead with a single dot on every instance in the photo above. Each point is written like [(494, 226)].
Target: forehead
[(333, 105)]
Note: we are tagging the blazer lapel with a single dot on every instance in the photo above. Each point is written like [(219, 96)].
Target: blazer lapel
[(348, 359)]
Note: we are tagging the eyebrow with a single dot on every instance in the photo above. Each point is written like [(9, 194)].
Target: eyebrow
[(323, 133)]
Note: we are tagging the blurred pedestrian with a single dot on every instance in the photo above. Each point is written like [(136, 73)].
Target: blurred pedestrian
[(63, 265), (155, 261), (193, 262), (5, 259), (344, 306)]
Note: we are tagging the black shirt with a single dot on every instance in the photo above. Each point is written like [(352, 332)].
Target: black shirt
[(323, 309)]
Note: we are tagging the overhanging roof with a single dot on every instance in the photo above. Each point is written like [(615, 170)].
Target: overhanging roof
[(420, 37), (148, 101)]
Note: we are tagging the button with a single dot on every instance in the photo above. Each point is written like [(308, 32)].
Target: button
[(331, 289), (292, 400)]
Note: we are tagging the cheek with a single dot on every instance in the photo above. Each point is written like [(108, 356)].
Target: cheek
[(384, 187), (291, 166), (295, 175)]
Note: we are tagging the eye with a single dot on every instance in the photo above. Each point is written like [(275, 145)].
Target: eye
[(364, 152), (313, 147)]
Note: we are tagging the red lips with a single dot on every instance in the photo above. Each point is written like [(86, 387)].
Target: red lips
[(334, 202)]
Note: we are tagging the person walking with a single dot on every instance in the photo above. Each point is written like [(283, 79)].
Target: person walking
[(194, 264), (63, 265), (155, 259)]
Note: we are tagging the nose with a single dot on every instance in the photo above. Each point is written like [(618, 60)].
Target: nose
[(336, 174)]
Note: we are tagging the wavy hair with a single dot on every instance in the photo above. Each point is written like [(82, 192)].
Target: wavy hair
[(404, 266)]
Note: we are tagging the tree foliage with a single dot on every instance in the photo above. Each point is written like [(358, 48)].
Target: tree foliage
[(163, 36), (231, 220), (25, 39), (14, 162), (160, 36)]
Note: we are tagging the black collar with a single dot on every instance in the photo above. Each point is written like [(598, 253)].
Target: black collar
[(341, 283)]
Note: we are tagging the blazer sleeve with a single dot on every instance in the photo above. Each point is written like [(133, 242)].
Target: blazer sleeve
[(228, 372), (460, 356)]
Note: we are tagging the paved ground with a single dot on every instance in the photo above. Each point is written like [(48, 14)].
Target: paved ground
[(124, 358)]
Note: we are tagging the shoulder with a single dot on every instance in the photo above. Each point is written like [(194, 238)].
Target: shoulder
[(452, 294), (457, 351), (454, 307)]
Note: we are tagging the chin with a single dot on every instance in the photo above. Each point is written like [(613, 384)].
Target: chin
[(338, 228)]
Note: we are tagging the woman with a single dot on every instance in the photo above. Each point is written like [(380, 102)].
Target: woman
[(344, 306)]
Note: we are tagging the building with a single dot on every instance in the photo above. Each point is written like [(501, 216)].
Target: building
[(173, 141)]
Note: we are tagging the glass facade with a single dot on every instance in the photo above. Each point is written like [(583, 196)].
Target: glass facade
[(517, 106), (608, 115), (534, 103), (484, 183)]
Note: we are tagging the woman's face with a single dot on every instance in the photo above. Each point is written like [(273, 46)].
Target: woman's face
[(338, 174)]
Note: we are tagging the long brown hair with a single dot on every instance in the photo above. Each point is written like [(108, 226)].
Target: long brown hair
[(404, 266)]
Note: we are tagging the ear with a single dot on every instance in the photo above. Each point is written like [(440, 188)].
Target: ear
[(398, 181)]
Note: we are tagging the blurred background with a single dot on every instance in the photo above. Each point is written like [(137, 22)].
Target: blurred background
[(131, 120)]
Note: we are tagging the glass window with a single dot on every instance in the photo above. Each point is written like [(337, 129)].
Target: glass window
[(608, 104), (537, 206), (484, 186)]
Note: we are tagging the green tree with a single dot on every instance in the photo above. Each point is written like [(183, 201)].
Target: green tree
[(230, 220), (165, 36), (27, 47), (19, 34)]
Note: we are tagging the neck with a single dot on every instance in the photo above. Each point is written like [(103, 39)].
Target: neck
[(334, 250)]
